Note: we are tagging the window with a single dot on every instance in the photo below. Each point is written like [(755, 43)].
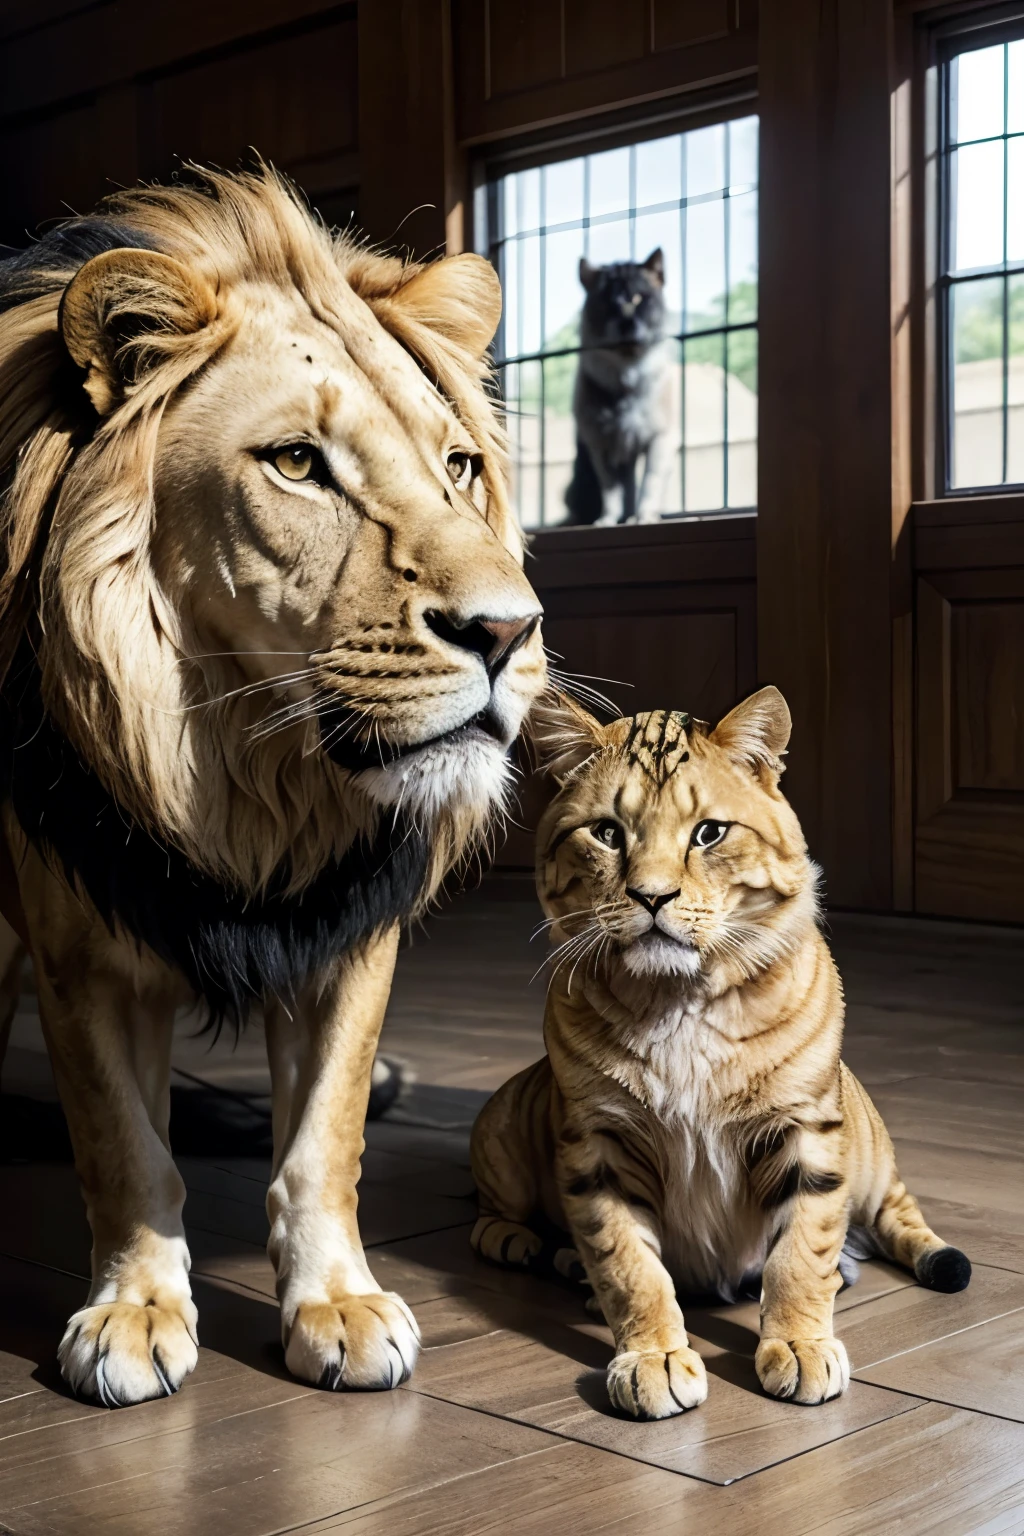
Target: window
[(982, 266), (692, 195)]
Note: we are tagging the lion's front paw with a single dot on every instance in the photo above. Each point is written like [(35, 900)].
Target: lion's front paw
[(804, 1370), (647, 1384), (368, 1342), (118, 1353)]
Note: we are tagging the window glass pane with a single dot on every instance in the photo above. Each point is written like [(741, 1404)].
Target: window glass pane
[(663, 229), (976, 180), (508, 336), (609, 182), (743, 257), (704, 185), (1015, 90), (977, 403), (741, 352), (563, 192), (528, 203), (528, 445), (563, 294), (977, 95), (508, 383), (705, 160), (743, 152), (705, 265), (509, 204), (527, 258), (1015, 383), (704, 424), (559, 434), (1015, 199), (608, 242), (659, 171)]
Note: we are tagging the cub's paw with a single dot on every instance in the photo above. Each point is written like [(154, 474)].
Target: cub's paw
[(365, 1342), (118, 1353), (505, 1242), (647, 1384), (804, 1370)]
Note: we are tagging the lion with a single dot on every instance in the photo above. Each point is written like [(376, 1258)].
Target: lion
[(266, 645)]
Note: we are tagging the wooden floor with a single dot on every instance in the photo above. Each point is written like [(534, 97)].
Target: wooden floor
[(505, 1426)]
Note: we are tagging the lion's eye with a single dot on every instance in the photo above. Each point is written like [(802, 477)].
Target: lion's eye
[(609, 833), (463, 468), (707, 833), (296, 462)]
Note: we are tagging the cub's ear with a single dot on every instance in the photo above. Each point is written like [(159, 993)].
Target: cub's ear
[(126, 309), (588, 273), (563, 735), (654, 266), (459, 296), (756, 733)]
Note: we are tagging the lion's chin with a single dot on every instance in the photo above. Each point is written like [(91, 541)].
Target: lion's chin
[(656, 954), (468, 772)]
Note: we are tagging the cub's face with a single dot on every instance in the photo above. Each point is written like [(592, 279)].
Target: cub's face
[(327, 518), (669, 847)]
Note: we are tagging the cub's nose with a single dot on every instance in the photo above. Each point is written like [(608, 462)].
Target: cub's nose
[(493, 640), (652, 901)]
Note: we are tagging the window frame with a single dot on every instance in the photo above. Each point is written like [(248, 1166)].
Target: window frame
[(589, 136), (966, 32)]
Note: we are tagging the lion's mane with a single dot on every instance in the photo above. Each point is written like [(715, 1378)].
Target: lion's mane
[(120, 673)]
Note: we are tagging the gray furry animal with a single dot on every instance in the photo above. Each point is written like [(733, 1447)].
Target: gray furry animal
[(622, 398)]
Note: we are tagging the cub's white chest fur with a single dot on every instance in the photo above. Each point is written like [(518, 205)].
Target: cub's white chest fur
[(713, 1233)]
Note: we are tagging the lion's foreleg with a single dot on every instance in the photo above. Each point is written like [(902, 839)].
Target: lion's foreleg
[(107, 1015), (339, 1328)]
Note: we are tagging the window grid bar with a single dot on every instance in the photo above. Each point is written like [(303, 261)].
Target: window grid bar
[(950, 279), (542, 466), (684, 172), (622, 214), (726, 226), (499, 254), (1006, 281)]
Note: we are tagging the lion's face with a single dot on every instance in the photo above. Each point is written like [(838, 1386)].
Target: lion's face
[(333, 534)]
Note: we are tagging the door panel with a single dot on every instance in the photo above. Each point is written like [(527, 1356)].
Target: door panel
[(969, 836)]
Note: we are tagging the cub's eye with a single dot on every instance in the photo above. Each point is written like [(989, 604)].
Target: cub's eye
[(298, 461), (707, 833), (464, 468), (609, 833)]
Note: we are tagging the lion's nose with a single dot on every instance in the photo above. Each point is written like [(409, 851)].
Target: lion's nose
[(493, 640), (652, 901)]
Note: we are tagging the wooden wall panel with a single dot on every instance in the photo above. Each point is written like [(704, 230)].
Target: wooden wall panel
[(296, 94), (97, 96), (825, 457), (654, 618), (536, 62), (680, 26)]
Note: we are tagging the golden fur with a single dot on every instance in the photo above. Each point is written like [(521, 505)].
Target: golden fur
[(194, 608), (692, 1125)]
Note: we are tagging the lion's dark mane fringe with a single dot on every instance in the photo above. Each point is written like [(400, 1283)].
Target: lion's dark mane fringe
[(233, 949)]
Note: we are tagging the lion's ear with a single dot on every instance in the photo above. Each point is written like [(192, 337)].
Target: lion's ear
[(756, 733), (459, 296), (563, 734), (125, 309)]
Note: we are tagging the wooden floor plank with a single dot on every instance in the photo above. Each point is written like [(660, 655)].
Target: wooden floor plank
[(933, 1470), (911, 1317), (487, 1352), (981, 1368)]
